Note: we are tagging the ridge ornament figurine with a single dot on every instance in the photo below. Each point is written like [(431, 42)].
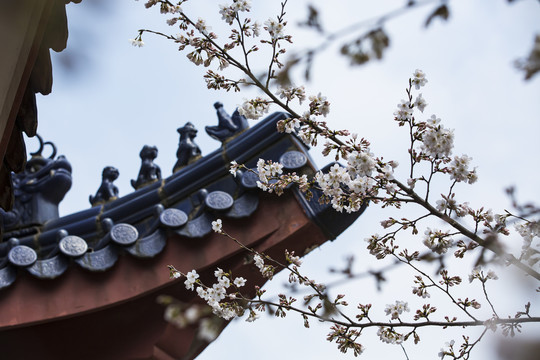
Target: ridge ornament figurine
[(149, 172), (188, 152), (107, 191), (227, 125)]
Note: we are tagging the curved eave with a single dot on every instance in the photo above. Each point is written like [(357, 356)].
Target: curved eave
[(274, 225), (183, 192), (58, 287)]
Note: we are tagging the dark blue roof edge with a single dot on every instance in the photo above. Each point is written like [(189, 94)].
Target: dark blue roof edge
[(331, 222), (171, 190)]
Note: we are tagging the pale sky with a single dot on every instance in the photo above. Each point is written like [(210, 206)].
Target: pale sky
[(119, 98)]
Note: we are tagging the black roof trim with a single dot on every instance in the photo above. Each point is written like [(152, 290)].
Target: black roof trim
[(139, 223)]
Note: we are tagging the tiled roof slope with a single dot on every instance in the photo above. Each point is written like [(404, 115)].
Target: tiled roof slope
[(185, 204)]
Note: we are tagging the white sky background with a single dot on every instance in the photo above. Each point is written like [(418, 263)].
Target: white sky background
[(119, 98)]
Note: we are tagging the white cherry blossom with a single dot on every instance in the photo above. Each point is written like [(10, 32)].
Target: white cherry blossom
[(397, 309), (274, 28), (438, 142), (419, 79), (192, 277), (137, 42), (420, 103), (217, 226), (239, 282)]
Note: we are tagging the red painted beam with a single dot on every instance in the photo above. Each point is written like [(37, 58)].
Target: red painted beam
[(114, 315)]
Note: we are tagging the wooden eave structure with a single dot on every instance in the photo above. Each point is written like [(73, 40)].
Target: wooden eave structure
[(28, 30)]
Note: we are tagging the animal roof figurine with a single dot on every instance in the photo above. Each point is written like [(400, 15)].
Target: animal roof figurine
[(149, 172), (188, 152), (228, 126), (107, 190)]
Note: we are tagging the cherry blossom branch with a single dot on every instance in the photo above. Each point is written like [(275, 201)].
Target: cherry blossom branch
[(364, 179), (341, 146), (192, 279), (490, 245), (275, 44), (344, 332), (434, 284), (400, 324), (487, 298), (293, 270), (445, 324)]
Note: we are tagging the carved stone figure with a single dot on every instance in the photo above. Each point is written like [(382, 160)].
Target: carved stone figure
[(149, 172), (107, 190), (38, 189), (227, 125), (188, 151)]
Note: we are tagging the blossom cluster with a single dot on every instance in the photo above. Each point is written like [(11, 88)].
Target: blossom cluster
[(346, 339), (291, 92), (396, 309), (478, 273), (266, 270), (138, 42), (272, 180), (205, 49), (437, 241), (202, 26), (275, 28), (419, 79), (224, 297), (175, 315), (290, 125), (528, 231), (230, 12), (254, 108), (165, 7), (351, 186), (390, 336), (421, 288), (278, 185), (448, 204), (215, 294), (271, 176), (267, 170), (404, 111), (437, 141), (319, 105), (217, 226), (459, 170), (449, 351), (339, 178), (181, 316)]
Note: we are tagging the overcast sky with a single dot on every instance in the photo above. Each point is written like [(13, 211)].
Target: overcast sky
[(109, 99)]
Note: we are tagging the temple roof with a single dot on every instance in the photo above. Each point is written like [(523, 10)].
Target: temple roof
[(100, 270), (185, 204)]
